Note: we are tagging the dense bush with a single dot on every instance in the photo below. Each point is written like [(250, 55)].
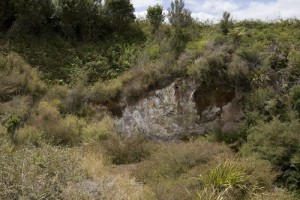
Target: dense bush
[(295, 94), (277, 142)]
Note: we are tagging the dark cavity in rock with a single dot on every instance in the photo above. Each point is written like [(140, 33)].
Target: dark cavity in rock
[(212, 97)]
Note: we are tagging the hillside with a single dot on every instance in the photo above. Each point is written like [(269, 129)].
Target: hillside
[(96, 104)]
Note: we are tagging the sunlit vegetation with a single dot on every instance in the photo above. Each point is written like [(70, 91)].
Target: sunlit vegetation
[(68, 68)]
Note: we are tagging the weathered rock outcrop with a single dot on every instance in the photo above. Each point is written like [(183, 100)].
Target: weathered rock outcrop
[(181, 109)]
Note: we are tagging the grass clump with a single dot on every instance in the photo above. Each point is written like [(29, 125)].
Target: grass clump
[(41, 173), (237, 179), (226, 175)]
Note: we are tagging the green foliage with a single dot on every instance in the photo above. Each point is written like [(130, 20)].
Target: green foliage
[(257, 104), (98, 131), (12, 124), (178, 15), (238, 70), (295, 94), (119, 13), (18, 77), (236, 179), (95, 59), (294, 60), (155, 16), (277, 142), (226, 23), (80, 19), (32, 15), (225, 175), (179, 41), (198, 69)]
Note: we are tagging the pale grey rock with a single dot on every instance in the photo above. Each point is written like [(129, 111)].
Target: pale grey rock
[(173, 112)]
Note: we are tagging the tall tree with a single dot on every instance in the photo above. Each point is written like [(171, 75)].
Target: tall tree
[(226, 23), (32, 15), (80, 18), (178, 15), (120, 13), (155, 16)]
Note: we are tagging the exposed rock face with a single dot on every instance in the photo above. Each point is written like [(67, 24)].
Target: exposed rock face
[(181, 109)]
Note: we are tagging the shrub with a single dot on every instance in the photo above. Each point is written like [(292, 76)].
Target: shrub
[(257, 101), (126, 150), (18, 106), (237, 69), (102, 92), (67, 131), (225, 175), (294, 60), (98, 131), (29, 135), (251, 54), (226, 23), (295, 94), (173, 160), (236, 179), (198, 69), (18, 77), (76, 98), (277, 142)]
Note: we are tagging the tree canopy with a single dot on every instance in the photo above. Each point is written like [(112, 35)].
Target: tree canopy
[(155, 16)]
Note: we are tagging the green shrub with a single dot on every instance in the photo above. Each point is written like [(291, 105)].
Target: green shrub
[(67, 131), (18, 77), (257, 102), (103, 92), (154, 51), (198, 69), (226, 23), (226, 175), (277, 142), (295, 94), (98, 131), (294, 60), (251, 54), (126, 150), (29, 135), (236, 179), (237, 70)]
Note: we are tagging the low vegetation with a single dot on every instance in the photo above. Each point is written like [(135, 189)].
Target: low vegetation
[(68, 69)]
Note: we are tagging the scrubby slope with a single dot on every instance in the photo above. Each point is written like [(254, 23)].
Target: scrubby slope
[(60, 94)]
